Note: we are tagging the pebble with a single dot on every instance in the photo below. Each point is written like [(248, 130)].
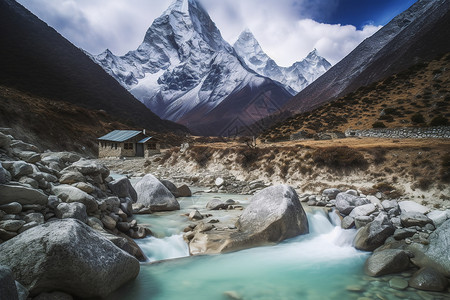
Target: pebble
[(398, 283), (354, 288)]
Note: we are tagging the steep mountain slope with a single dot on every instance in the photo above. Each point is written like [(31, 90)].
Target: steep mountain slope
[(419, 33), (418, 96), (37, 60), (295, 78), (184, 70)]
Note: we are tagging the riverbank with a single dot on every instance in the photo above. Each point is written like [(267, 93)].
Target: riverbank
[(404, 169)]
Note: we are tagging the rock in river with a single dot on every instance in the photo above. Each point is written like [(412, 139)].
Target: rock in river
[(154, 195), (68, 256)]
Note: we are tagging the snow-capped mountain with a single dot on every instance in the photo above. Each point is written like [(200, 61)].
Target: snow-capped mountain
[(186, 72), (295, 78)]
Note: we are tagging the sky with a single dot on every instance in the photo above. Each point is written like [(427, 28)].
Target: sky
[(286, 29)]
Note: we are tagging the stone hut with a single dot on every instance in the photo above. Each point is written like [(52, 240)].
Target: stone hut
[(127, 143)]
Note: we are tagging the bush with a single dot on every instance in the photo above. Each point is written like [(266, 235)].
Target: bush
[(340, 158), (201, 155), (418, 118), (424, 184), (439, 121), (378, 124)]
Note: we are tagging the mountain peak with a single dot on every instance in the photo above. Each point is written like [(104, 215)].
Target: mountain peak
[(180, 6), (313, 53)]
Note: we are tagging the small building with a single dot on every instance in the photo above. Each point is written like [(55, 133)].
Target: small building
[(127, 143)]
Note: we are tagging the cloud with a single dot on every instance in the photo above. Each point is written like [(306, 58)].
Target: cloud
[(285, 28)]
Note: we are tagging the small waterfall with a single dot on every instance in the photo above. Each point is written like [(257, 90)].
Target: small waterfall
[(164, 248)]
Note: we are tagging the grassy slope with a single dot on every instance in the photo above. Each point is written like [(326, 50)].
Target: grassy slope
[(422, 89)]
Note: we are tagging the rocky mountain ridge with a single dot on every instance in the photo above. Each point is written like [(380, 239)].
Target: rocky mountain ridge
[(295, 78)]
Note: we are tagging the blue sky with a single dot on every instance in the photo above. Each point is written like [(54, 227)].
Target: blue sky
[(286, 29)]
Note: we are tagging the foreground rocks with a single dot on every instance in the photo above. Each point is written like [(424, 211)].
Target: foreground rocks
[(68, 256), (274, 214)]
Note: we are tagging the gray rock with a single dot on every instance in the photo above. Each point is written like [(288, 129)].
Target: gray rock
[(3, 175), (374, 200), (435, 254), (39, 258), (11, 208), (109, 222), (5, 141), (95, 223), (73, 210), (429, 279), (344, 206), (28, 156), (22, 146), (348, 222), (352, 192), (60, 158), (71, 194), (362, 221), (216, 204), (34, 217), (437, 216), (195, 215), (127, 206), (8, 290), (331, 193), (85, 187), (11, 225), (374, 234), (71, 177), (219, 181), (26, 181), (122, 188), (411, 206), (345, 203), (170, 186), (21, 168), (363, 210), (154, 195), (386, 262), (398, 283), (7, 235), (22, 195), (410, 219), (184, 191), (89, 167), (28, 226), (53, 201), (403, 233), (112, 203), (273, 215)]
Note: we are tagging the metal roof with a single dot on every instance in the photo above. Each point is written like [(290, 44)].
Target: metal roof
[(119, 135), (144, 140)]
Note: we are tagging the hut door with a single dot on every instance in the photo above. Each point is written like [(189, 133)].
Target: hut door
[(140, 150)]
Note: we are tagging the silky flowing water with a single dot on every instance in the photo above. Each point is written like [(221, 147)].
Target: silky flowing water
[(320, 265)]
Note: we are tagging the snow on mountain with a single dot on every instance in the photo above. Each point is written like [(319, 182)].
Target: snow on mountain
[(295, 78), (183, 62)]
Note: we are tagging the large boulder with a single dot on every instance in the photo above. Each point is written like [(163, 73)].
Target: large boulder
[(3, 175), (122, 188), (21, 194), (374, 234), (436, 254), (154, 195), (68, 256), (331, 193), (8, 290), (428, 279), (363, 210), (273, 215), (216, 204), (386, 262), (89, 167), (439, 216), (62, 159), (71, 194), (71, 177)]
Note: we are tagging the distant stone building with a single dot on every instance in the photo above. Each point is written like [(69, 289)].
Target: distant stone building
[(127, 143)]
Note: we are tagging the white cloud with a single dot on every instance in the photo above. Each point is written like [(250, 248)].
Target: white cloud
[(281, 26)]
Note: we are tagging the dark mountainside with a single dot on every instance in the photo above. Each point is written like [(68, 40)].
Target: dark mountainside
[(418, 34), (35, 59)]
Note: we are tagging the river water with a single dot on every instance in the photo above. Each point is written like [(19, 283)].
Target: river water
[(317, 266)]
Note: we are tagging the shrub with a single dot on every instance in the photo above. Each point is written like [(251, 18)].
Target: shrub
[(439, 121), (340, 158), (201, 155), (247, 157), (418, 118), (378, 124), (424, 184)]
